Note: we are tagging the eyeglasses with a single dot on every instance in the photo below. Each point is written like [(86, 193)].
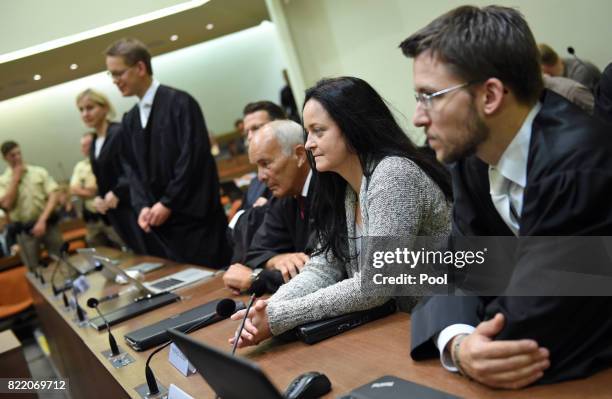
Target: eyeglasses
[(427, 99), (119, 74)]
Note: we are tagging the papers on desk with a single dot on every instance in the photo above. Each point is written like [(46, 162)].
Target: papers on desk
[(179, 361), (177, 393)]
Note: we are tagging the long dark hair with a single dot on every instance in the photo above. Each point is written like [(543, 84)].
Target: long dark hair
[(371, 131)]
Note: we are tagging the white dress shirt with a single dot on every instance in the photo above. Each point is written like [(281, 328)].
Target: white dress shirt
[(305, 188), (98, 146), (146, 102), (507, 181)]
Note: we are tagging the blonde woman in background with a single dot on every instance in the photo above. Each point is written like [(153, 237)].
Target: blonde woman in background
[(113, 195)]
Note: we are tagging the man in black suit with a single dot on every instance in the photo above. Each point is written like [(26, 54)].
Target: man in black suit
[(172, 175), (249, 217), (525, 162), (603, 96), (280, 246)]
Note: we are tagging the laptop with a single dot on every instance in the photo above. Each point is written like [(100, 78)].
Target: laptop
[(88, 254), (215, 366), (390, 387), (164, 284)]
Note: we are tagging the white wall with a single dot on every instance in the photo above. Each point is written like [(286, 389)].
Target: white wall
[(360, 38), (27, 23), (222, 74)]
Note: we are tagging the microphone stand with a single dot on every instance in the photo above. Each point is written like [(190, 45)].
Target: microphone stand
[(257, 292), (93, 303), (225, 308)]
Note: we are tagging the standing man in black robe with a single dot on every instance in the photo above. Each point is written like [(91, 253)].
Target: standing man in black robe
[(172, 175)]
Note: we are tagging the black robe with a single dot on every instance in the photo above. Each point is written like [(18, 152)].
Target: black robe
[(286, 228), (110, 177), (603, 96), (169, 161), (568, 191)]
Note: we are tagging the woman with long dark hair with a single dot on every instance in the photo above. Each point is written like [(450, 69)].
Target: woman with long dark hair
[(113, 198), (371, 181)]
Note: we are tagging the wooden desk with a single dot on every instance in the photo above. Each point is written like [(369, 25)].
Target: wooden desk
[(234, 167), (349, 360)]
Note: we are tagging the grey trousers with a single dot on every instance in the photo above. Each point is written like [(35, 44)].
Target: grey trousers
[(30, 246), (102, 234)]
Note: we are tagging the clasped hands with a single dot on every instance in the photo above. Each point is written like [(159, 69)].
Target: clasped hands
[(153, 216), (110, 201)]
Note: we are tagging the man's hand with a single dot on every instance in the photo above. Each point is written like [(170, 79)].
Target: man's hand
[(18, 172), (256, 327), (500, 364), (100, 205), (143, 219), (159, 214), (288, 264), (261, 201), (238, 278), (39, 228), (111, 200)]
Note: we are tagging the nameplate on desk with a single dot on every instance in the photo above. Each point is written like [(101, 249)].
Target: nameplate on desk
[(80, 284), (177, 393), (179, 360)]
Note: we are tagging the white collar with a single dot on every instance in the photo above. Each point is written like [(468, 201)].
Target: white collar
[(513, 162), (306, 185), (147, 99)]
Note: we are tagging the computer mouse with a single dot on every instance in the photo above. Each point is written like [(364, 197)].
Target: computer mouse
[(311, 385)]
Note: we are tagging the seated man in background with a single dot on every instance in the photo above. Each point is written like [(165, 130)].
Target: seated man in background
[(575, 92), (83, 184), (256, 115), (581, 71), (29, 195), (603, 96), (525, 163), (7, 240), (247, 220), (279, 248)]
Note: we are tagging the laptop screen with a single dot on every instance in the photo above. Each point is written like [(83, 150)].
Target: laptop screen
[(230, 377)]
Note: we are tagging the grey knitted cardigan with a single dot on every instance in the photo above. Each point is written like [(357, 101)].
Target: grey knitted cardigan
[(398, 200)]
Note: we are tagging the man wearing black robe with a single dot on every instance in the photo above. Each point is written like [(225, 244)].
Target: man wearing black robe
[(280, 246), (525, 162), (173, 178)]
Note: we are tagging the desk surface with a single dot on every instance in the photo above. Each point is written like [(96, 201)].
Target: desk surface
[(349, 360)]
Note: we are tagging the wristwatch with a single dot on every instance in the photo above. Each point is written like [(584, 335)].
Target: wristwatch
[(255, 274)]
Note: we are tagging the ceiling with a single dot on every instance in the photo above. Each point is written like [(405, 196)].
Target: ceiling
[(227, 16)]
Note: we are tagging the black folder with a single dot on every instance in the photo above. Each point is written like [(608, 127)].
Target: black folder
[(155, 334), (134, 309), (390, 387), (317, 331)]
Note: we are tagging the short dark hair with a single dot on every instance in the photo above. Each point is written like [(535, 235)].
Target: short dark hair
[(548, 56), (8, 146), (132, 50), (274, 111), (480, 43)]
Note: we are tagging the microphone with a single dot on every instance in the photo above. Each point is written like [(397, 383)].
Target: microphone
[(225, 308), (572, 52), (93, 304), (258, 290), (80, 313), (41, 278), (65, 299), (63, 249)]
